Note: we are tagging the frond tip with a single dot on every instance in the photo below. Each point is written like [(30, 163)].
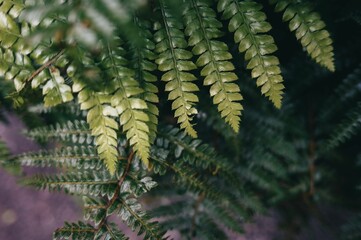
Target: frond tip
[(203, 28), (309, 30), (249, 25), (175, 61)]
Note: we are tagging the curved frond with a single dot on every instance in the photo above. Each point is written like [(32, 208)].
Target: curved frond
[(249, 25), (176, 62), (142, 61), (103, 126), (309, 30), (203, 29), (127, 101)]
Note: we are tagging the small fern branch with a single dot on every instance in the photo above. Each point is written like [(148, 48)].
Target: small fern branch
[(309, 30), (142, 61), (71, 131), (92, 183), (79, 231), (203, 28), (175, 61), (249, 25), (126, 100), (102, 126)]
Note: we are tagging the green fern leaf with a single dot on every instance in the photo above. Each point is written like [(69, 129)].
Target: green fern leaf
[(9, 29), (203, 28), (92, 183), (142, 61), (249, 25), (175, 61), (102, 126), (79, 231), (126, 100), (309, 30), (77, 156)]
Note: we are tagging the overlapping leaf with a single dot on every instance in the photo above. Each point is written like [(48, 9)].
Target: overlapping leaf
[(249, 25), (176, 62), (309, 30), (127, 101), (203, 29), (142, 60)]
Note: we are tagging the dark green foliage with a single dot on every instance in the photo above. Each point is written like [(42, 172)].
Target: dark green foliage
[(110, 79)]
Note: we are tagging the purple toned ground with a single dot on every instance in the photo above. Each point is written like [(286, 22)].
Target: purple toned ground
[(26, 213)]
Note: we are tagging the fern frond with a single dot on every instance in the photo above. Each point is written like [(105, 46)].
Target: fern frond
[(193, 150), (126, 100), (111, 232), (189, 179), (83, 157), (142, 61), (71, 131), (103, 126), (176, 62), (79, 231), (130, 211), (70, 108), (346, 129), (91, 183), (309, 29), (203, 29), (249, 25)]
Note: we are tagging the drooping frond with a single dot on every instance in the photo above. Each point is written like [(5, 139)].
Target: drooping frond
[(309, 30), (127, 101), (203, 29), (175, 61), (142, 57), (249, 25), (103, 126)]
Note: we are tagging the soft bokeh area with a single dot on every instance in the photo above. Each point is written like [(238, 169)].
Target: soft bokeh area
[(26, 213)]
